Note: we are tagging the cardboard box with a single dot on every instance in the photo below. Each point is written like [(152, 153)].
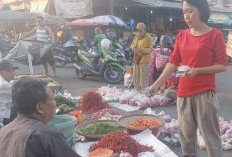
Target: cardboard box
[(52, 84), (129, 69)]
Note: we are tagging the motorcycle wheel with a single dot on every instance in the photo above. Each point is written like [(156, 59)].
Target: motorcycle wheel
[(113, 74), (59, 63), (80, 73)]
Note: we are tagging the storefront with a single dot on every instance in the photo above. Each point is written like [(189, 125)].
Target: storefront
[(160, 17)]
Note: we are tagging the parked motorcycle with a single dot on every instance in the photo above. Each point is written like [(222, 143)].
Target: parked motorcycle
[(128, 53), (120, 54), (118, 48), (106, 66), (64, 56)]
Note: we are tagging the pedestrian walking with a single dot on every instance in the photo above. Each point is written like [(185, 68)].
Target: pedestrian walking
[(141, 46), (202, 48), (44, 34)]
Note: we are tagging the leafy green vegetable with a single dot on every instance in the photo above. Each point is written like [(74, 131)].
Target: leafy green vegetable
[(62, 100), (100, 128), (64, 108)]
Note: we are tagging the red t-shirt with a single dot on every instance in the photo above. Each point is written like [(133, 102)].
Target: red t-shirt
[(198, 51)]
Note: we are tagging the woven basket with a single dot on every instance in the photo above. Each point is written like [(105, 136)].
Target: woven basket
[(93, 137), (125, 121)]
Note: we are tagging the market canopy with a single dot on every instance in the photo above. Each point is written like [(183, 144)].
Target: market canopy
[(10, 15), (107, 20), (78, 23)]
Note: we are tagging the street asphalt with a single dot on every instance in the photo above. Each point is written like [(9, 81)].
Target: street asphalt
[(67, 78)]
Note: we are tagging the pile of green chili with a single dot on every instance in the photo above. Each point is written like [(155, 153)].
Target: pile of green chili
[(100, 128)]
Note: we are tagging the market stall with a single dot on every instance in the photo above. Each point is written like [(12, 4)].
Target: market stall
[(99, 120), (99, 114)]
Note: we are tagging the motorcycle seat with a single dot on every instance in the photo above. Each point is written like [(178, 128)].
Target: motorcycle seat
[(90, 55)]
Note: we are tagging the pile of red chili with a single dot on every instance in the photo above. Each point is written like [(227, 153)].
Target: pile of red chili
[(92, 102), (119, 141)]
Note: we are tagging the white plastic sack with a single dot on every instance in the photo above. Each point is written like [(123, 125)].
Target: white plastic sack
[(200, 140), (5, 98)]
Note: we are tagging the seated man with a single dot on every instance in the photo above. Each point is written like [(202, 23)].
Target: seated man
[(28, 135)]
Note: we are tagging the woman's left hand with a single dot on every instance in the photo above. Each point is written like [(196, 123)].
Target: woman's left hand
[(191, 72)]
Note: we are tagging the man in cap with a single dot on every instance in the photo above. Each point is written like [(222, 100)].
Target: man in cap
[(8, 112)]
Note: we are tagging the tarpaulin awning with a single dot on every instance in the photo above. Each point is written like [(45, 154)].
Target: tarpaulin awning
[(10, 15), (107, 20), (29, 52), (78, 23)]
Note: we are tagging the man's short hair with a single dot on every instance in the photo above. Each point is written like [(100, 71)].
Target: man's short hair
[(27, 92), (202, 6)]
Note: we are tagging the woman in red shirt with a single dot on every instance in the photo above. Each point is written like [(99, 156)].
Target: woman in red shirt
[(202, 48)]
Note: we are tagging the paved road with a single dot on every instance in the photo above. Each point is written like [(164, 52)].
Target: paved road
[(67, 78)]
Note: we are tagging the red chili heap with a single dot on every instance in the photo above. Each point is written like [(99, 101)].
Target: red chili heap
[(119, 141), (92, 102)]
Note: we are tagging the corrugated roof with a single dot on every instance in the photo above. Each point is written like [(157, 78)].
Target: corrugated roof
[(176, 5), (153, 3)]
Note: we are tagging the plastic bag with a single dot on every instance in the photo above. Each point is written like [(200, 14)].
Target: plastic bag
[(127, 78), (175, 140), (170, 128), (125, 154), (166, 117), (161, 61), (163, 100), (149, 111), (226, 146), (200, 140), (143, 103), (148, 154), (107, 90)]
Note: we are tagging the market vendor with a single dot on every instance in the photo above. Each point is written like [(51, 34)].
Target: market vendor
[(28, 134), (7, 112)]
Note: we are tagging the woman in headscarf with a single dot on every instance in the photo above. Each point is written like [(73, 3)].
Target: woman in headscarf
[(141, 46)]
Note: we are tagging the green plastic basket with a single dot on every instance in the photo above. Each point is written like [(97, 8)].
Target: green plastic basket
[(65, 124)]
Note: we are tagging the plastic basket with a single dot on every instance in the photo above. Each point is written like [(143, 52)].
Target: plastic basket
[(65, 124)]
